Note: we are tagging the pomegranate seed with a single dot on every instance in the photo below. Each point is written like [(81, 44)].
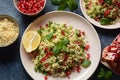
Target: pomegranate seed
[(30, 6)]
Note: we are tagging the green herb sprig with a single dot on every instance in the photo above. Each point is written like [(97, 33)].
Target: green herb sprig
[(63, 4), (104, 75), (60, 45)]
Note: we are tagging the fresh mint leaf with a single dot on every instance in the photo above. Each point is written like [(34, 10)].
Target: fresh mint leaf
[(86, 63), (108, 75), (49, 23), (65, 41), (39, 31), (59, 46), (72, 4), (104, 75), (108, 2), (86, 1), (49, 36), (64, 48), (63, 4), (56, 49), (56, 2), (101, 74), (62, 7), (106, 21)]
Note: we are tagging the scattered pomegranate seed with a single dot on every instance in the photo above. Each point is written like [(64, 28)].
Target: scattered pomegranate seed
[(78, 69), (101, 1), (46, 25), (87, 47), (54, 36), (88, 56), (45, 77), (63, 32), (46, 65)]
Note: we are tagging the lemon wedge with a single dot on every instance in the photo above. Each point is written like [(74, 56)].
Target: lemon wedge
[(31, 41)]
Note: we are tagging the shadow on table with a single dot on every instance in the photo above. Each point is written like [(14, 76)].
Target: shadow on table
[(9, 53), (94, 76), (28, 19), (108, 32)]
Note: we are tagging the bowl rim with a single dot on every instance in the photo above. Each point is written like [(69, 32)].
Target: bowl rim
[(12, 19), (32, 14)]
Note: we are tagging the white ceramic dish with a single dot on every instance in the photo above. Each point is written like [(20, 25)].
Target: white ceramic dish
[(82, 7), (32, 14), (11, 20), (78, 22)]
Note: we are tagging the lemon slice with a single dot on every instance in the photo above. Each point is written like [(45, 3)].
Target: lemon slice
[(31, 41)]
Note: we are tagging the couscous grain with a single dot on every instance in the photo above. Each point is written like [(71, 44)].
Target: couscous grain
[(8, 32)]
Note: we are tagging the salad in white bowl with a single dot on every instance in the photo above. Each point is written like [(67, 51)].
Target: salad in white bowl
[(102, 13)]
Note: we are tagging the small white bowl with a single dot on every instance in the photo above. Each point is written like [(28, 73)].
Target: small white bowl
[(29, 14), (12, 39)]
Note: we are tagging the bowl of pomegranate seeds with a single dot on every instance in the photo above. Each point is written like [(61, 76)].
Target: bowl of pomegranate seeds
[(30, 7)]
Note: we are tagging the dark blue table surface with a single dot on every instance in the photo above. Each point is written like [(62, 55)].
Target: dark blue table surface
[(11, 67)]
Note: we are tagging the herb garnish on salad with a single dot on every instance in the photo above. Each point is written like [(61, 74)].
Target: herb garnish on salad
[(106, 12)]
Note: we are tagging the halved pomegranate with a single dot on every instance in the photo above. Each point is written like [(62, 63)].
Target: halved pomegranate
[(108, 55), (112, 51)]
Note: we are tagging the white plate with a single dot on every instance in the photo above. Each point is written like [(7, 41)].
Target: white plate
[(114, 26), (77, 21)]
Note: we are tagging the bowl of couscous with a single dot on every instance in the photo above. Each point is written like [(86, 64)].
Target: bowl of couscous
[(9, 30)]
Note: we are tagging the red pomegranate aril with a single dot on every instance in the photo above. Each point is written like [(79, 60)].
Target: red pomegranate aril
[(112, 48), (88, 56), (118, 51), (78, 69), (46, 49), (65, 57), (68, 73), (107, 12), (54, 36), (117, 58), (79, 35), (87, 47), (63, 33), (106, 55), (30, 6), (46, 25), (83, 33), (101, 1), (78, 42), (45, 77), (48, 54), (46, 65)]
